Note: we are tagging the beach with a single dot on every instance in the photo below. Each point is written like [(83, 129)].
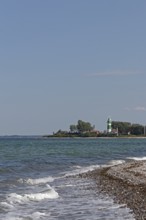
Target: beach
[(40, 178), (125, 183)]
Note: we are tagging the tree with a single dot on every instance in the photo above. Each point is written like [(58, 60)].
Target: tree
[(123, 127), (84, 126), (126, 127), (73, 128), (137, 129)]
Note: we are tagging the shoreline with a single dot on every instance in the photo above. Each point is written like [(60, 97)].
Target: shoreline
[(120, 137), (125, 183)]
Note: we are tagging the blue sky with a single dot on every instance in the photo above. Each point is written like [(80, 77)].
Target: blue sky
[(65, 60)]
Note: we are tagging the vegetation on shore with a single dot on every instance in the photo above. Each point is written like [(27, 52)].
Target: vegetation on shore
[(85, 129), (125, 128)]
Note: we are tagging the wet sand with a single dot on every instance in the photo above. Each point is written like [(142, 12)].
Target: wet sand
[(125, 183)]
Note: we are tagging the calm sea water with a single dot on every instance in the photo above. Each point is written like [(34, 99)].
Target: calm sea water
[(37, 177)]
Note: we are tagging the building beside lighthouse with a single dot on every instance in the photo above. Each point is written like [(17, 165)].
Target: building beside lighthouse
[(109, 125)]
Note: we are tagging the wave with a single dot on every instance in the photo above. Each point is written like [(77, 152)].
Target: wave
[(115, 162), (50, 193), (38, 215), (34, 216), (36, 181), (80, 170), (136, 158)]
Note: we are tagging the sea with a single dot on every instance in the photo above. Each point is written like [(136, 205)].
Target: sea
[(39, 177)]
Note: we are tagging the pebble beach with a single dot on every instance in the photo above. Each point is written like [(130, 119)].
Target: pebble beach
[(125, 183)]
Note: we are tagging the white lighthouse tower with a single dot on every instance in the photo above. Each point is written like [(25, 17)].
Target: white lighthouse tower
[(109, 125)]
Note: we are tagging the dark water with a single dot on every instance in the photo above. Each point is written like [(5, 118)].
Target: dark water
[(37, 182)]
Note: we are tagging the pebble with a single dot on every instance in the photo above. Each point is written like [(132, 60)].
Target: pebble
[(125, 183)]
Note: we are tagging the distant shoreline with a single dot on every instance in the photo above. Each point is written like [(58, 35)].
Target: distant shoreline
[(74, 137), (107, 137)]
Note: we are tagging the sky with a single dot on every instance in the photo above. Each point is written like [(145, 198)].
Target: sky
[(67, 60)]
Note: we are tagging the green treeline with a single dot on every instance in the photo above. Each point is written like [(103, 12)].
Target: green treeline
[(85, 129), (81, 129), (125, 128)]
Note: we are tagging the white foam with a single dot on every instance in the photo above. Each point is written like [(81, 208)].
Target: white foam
[(112, 163), (34, 216), (77, 167), (50, 193), (6, 205), (116, 162), (37, 215), (37, 181), (137, 158), (81, 170), (117, 206), (12, 218)]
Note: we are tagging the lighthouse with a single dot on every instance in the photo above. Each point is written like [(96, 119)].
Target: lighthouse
[(109, 125)]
